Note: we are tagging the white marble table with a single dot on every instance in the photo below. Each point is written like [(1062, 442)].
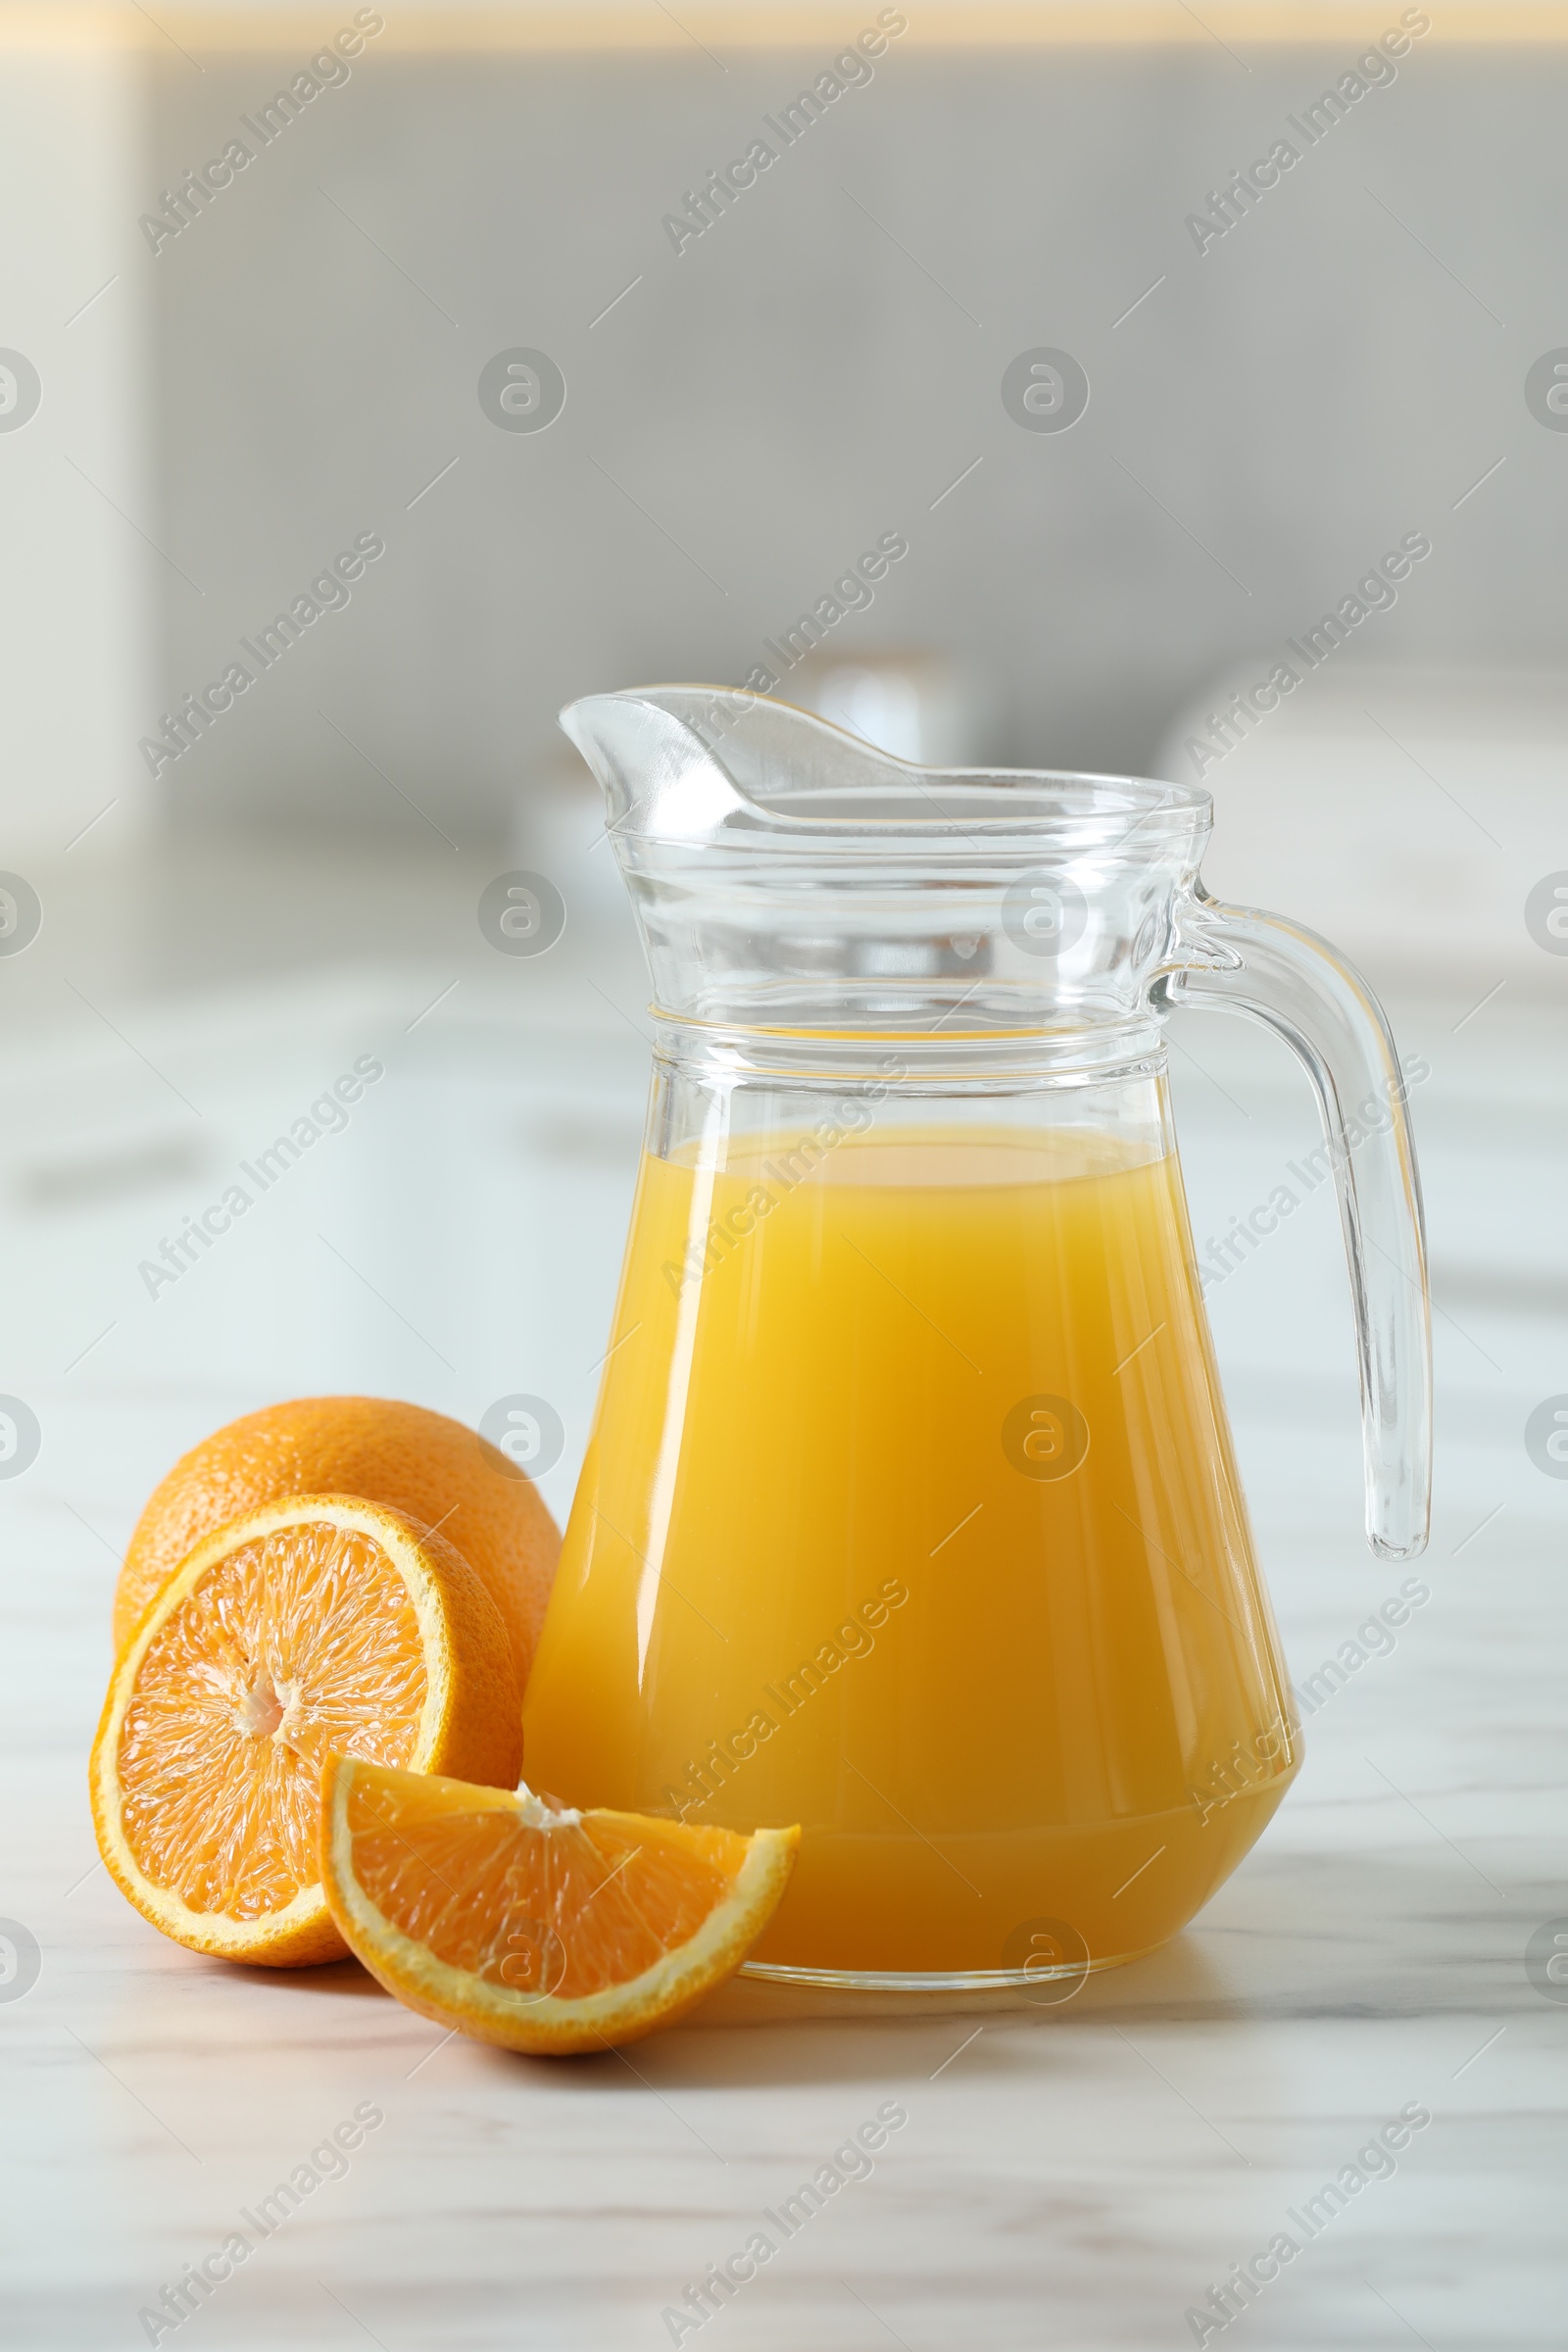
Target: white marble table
[(1073, 2176)]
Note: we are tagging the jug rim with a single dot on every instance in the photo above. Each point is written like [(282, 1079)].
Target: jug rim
[(878, 796)]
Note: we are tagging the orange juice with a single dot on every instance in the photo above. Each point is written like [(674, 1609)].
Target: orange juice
[(910, 1514)]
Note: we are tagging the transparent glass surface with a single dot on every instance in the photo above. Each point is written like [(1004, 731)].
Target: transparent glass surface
[(910, 1510)]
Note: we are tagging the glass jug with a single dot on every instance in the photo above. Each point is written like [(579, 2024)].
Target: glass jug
[(910, 1511)]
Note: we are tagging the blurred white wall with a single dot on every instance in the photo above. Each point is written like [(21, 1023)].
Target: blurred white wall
[(81, 586), (824, 364)]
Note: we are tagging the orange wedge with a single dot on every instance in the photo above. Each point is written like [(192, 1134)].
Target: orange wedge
[(530, 1925), (317, 1625)]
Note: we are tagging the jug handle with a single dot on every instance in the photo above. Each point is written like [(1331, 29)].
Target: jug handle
[(1279, 973)]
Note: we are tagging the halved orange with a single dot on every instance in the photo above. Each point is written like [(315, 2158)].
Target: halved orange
[(316, 1626), (528, 1924)]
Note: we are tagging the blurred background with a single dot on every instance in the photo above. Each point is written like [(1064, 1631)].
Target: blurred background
[(1142, 427), (411, 358)]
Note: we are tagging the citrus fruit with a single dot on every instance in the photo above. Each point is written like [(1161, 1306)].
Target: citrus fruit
[(322, 1625), (420, 1463), (528, 1924)]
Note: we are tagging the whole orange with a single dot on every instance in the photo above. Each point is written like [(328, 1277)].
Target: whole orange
[(434, 1470)]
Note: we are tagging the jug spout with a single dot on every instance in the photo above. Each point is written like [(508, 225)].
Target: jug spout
[(656, 771), (687, 763)]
